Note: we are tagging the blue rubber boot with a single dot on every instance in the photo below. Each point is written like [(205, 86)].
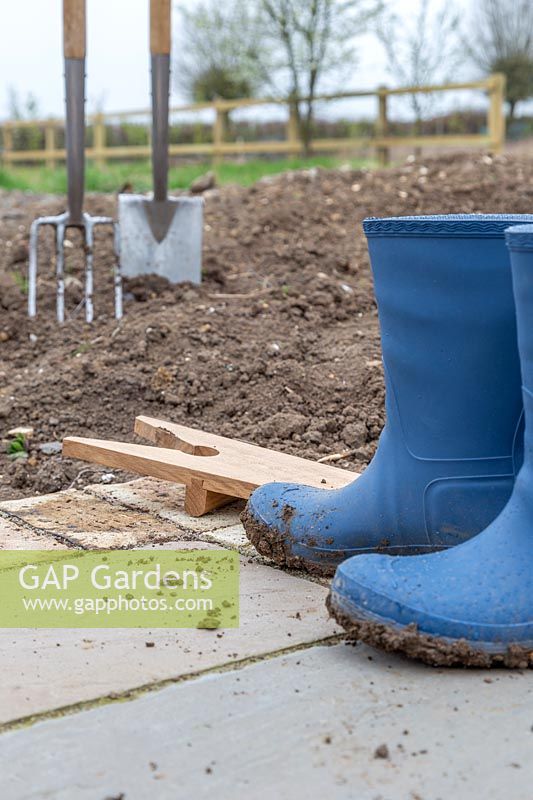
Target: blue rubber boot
[(472, 604), (447, 457)]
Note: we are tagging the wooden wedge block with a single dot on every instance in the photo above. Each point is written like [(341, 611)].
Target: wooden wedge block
[(199, 501), (214, 469)]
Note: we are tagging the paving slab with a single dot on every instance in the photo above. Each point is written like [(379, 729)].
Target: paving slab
[(89, 521), (20, 537), (165, 500), (305, 725), (48, 669), (233, 537)]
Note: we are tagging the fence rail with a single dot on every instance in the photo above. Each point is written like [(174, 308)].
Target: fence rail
[(382, 141)]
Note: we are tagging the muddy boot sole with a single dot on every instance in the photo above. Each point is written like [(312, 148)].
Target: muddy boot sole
[(437, 652), (271, 544)]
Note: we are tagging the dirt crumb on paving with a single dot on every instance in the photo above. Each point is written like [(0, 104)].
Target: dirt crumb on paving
[(278, 346)]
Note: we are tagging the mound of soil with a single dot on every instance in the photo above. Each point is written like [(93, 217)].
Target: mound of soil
[(278, 346)]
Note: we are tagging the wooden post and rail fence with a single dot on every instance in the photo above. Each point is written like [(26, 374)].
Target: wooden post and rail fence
[(492, 139)]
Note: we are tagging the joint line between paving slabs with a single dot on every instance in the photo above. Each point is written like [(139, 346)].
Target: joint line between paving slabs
[(45, 532), (140, 691)]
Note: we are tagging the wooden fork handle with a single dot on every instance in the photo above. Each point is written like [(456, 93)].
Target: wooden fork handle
[(74, 28), (160, 11)]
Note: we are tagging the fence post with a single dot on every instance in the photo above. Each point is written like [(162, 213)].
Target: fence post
[(50, 144), (495, 113), (99, 138), (219, 133), (293, 130), (8, 143), (383, 153)]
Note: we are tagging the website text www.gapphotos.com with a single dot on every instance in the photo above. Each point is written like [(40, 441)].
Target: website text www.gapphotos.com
[(100, 605)]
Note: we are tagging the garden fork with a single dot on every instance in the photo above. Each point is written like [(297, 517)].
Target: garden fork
[(74, 216)]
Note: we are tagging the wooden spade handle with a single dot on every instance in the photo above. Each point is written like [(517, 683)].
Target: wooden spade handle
[(160, 27), (74, 28)]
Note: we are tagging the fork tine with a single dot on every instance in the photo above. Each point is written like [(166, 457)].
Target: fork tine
[(117, 273), (32, 268), (60, 272), (89, 242)]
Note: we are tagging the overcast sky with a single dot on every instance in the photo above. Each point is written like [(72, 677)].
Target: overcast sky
[(117, 58), (31, 53)]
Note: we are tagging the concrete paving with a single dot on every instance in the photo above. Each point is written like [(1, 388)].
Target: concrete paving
[(49, 669), (165, 501), (264, 711), (306, 725), (89, 521), (14, 536)]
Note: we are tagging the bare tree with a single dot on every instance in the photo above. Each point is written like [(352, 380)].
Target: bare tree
[(503, 42), (27, 108), (283, 47), (218, 46), (309, 40), (422, 50)]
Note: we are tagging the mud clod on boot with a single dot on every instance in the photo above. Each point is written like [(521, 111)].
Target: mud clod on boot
[(434, 651), (272, 544)]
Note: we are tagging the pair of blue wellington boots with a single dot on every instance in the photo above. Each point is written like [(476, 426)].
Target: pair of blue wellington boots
[(451, 484)]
